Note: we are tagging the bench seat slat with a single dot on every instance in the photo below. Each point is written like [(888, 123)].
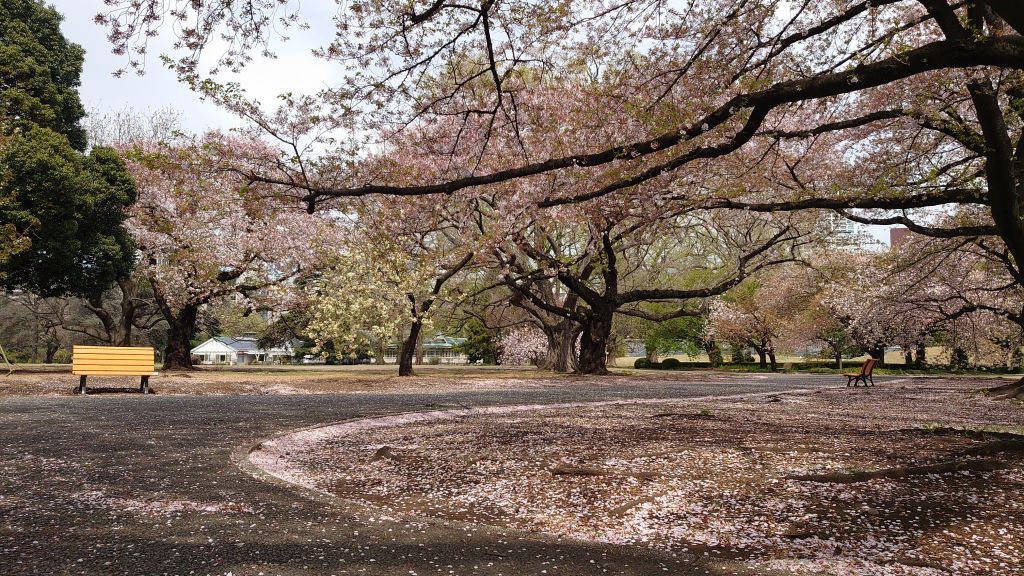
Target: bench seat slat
[(97, 360), (111, 360), (104, 360), (82, 348), (132, 373), (148, 366), (98, 354), (138, 369)]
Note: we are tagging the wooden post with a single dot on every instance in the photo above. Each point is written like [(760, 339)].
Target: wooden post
[(144, 386), (81, 384)]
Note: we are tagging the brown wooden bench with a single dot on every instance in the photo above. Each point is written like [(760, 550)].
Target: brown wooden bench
[(113, 361), (864, 375)]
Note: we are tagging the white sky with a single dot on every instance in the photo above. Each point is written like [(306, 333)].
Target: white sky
[(295, 69)]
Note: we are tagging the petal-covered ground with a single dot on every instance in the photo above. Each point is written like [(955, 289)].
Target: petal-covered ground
[(57, 380), (923, 479)]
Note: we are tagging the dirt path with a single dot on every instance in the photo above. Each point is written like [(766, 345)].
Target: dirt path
[(137, 485)]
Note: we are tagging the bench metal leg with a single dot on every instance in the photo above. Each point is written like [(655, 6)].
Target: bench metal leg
[(81, 384), (144, 385)]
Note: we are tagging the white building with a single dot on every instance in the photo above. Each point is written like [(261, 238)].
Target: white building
[(437, 350), (238, 351)]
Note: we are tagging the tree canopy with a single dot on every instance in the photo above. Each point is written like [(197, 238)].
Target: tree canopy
[(40, 71), (70, 206), (60, 207)]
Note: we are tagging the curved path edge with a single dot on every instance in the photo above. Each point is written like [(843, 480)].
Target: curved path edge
[(242, 458)]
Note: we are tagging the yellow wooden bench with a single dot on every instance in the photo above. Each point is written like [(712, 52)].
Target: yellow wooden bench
[(113, 361)]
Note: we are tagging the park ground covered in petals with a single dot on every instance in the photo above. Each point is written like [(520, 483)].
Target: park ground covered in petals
[(908, 478)]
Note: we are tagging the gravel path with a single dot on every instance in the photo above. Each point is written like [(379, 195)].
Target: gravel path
[(127, 484)]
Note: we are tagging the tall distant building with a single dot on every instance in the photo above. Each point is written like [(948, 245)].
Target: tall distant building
[(898, 237), (836, 227)]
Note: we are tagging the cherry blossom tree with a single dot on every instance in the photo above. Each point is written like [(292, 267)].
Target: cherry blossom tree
[(849, 105), (621, 267), (492, 303), (702, 83), (968, 286), (204, 233), (523, 345), (760, 312)]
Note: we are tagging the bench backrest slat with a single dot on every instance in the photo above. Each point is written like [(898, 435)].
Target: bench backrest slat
[(869, 366), (112, 361)]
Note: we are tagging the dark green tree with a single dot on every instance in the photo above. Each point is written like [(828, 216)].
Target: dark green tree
[(479, 345), (71, 207), (65, 206), (40, 71)]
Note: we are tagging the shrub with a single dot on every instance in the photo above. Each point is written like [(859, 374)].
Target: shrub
[(820, 370), (642, 363), (670, 363)]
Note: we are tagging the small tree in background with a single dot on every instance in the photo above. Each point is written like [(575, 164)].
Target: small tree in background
[(480, 345)]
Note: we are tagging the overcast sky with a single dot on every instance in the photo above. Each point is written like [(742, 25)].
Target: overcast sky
[(295, 69)]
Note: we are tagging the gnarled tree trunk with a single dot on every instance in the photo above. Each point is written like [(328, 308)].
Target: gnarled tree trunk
[(920, 357), (714, 352), (180, 329), (594, 343), (561, 355)]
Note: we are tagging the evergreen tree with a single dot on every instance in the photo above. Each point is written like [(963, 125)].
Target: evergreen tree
[(64, 207)]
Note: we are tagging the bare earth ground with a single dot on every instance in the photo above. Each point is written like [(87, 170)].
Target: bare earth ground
[(887, 480), (57, 380)]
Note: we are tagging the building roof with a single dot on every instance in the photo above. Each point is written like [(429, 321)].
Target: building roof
[(243, 344), (442, 341), (239, 344), (438, 342)]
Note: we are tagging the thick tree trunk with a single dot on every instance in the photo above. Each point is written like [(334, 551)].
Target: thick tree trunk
[(118, 326), (920, 358), (908, 357), (180, 329), (129, 308), (714, 352), (762, 357), (837, 354), (771, 358), (878, 353), (408, 350), (594, 343), (51, 350), (381, 349), (561, 356), (35, 344)]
